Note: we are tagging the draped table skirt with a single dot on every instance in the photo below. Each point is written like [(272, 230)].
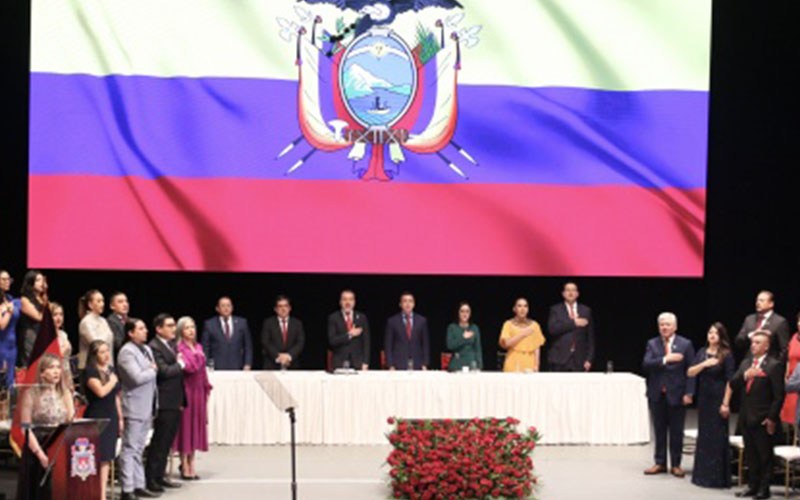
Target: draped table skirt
[(568, 408)]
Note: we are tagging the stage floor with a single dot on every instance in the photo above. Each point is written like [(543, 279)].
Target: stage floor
[(357, 472)]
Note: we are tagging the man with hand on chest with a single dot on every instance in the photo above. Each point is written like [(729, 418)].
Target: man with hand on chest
[(760, 379)]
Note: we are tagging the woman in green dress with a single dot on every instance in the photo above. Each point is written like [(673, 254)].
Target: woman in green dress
[(464, 340)]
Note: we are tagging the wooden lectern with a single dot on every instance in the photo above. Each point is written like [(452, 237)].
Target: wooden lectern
[(73, 449)]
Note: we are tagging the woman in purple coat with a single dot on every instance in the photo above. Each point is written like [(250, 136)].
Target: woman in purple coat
[(192, 434)]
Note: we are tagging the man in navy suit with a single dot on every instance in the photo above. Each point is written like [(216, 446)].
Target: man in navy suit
[(571, 333), (282, 337), (407, 341), (226, 339), (669, 390)]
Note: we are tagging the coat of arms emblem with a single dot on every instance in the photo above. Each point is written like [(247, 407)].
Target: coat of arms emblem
[(365, 88), (83, 462)]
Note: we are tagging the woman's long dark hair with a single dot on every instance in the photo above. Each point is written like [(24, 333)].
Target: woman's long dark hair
[(26, 290), (91, 360), (458, 311), (724, 341)]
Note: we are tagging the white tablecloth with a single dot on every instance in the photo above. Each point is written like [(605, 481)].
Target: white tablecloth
[(567, 408)]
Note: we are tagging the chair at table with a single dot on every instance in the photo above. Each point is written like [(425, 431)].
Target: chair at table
[(689, 441), (789, 454), (737, 443), (329, 361), (446, 357), (383, 360)]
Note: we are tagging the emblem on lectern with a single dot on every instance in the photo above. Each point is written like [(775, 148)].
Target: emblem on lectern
[(83, 461)]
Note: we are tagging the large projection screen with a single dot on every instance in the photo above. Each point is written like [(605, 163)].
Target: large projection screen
[(514, 137)]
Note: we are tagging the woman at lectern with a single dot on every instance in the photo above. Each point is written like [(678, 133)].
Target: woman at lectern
[(464, 339), (103, 392), (49, 403), (522, 338)]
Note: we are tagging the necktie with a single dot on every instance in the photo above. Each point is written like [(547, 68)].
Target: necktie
[(284, 331), (667, 350), (750, 382), (408, 326), (760, 322), (348, 321), (572, 312), (227, 328)]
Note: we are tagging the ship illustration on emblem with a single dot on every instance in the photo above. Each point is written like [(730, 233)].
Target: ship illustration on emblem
[(365, 87)]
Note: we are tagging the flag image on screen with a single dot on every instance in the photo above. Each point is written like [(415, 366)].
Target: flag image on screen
[(517, 137)]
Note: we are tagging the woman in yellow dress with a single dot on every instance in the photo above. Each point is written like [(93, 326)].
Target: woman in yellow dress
[(522, 339)]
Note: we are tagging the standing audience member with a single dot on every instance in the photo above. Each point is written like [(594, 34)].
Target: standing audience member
[(49, 403), (93, 325), (9, 316), (760, 379), (171, 401), (5, 283), (348, 334), (33, 299), (522, 338), (464, 340), (407, 340), (570, 328), (120, 308), (192, 433), (789, 412), (282, 337), (666, 362), (713, 366), (57, 310), (226, 339), (101, 387), (765, 319), (137, 375)]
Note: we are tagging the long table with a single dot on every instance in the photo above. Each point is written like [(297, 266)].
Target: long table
[(567, 408)]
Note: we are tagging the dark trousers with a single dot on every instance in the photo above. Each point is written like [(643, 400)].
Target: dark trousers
[(668, 420), (758, 454), (572, 364), (165, 427), (356, 359)]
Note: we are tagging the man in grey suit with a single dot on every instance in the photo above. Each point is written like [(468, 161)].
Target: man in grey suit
[(765, 318), (226, 339), (137, 374)]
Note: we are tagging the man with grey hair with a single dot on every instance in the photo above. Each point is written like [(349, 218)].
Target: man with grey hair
[(666, 361)]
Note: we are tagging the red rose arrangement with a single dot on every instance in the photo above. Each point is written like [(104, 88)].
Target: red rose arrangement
[(461, 459)]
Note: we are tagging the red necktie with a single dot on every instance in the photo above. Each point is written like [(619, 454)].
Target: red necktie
[(408, 326), (573, 314), (348, 321), (227, 329), (750, 382), (667, 350), (284, 331), (760, 323)]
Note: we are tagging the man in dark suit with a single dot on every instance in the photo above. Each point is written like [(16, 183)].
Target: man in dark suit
[(406, 341), (226, 339), (666, 360), (120, 308), (760, 380), (282, 337), (348, 334), (571, 334), (765, 318), (171, 400)]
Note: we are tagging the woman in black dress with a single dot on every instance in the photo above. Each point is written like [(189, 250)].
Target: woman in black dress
[(33, 300), (713, 366), (102, 391)]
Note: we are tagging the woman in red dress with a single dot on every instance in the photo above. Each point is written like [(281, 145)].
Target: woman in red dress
[(790, 403)]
